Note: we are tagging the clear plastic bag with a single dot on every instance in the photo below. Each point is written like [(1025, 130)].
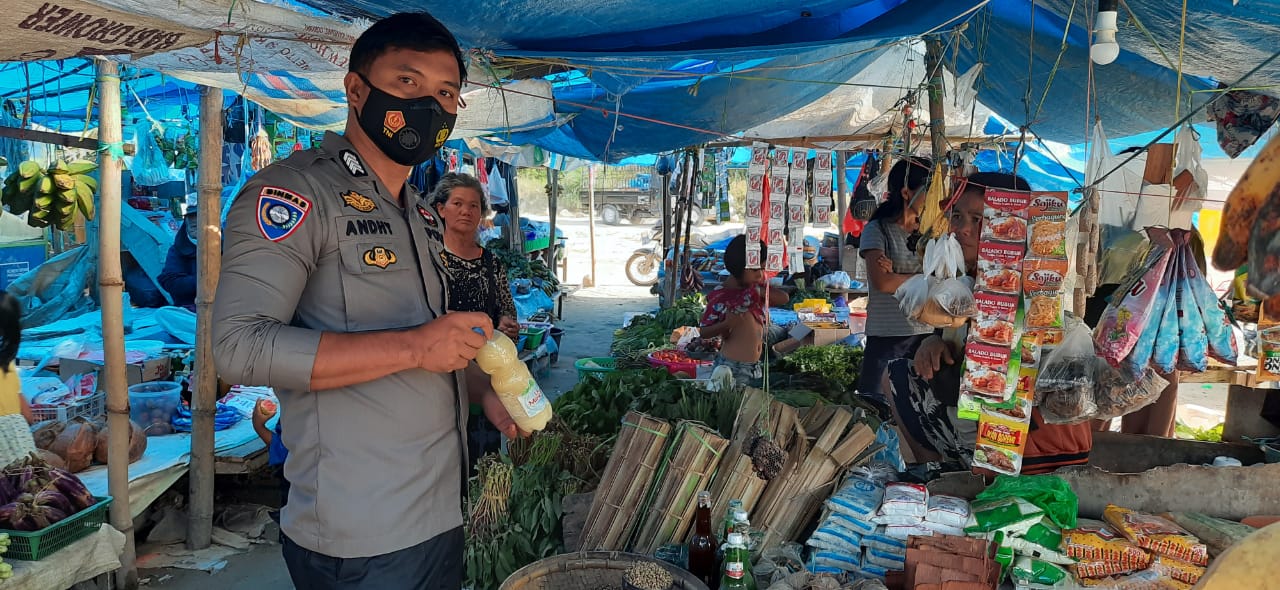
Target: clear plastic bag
[(955, 298), (1065, 386), (837, 280), (1116, 393), (912, 295)]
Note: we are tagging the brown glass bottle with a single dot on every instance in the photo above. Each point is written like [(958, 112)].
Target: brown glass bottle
[(702, 545)]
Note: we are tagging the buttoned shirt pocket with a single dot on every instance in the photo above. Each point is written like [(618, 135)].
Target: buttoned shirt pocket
[(381, 280)]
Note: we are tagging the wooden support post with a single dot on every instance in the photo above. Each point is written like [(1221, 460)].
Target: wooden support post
[(842, 202), (111, 287), (937, 113), (209, 262), (591, 219), (553, 198)]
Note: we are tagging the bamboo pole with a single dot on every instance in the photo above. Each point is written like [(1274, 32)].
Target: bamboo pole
[(111, 287), (208, 255), (553, 204), (937, 115), (591, 218)]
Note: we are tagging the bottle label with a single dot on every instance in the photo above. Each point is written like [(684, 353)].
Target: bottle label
[(532, 400), (734, 570)]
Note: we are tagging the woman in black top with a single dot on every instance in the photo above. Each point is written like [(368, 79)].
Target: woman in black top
[(477, 282), (477, 279)]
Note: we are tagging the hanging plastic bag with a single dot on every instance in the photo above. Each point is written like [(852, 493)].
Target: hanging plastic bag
[(1194, 185), (1194, 342), (1065, 385), (1116, 393), (1119, 192), (1163, 337), (149, 167), (950, 304), (912, 295), (1221, 336)]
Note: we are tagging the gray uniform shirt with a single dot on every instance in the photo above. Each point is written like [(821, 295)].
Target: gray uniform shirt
[(884, 317), (316, 243)]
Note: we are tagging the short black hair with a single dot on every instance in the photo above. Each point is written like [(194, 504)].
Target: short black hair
[(415, 31), (455, 180), (735, 256)]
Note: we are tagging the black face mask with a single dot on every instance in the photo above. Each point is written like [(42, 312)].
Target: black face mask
[(408, 130)]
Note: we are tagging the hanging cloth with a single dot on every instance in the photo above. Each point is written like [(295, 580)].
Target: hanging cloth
[(1242, 116)]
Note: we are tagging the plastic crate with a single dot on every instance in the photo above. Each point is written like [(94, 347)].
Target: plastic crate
[(605, 364), (533, 337), (689, 367), (34, 546), (89, 407)]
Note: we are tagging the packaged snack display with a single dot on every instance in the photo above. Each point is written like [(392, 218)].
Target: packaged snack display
[(1176, 569), (1000, 444), (1268, 344), (1042, 283), (1094, 542), (1158, 535), (906, 502), (1143, 580), (1038, 573)]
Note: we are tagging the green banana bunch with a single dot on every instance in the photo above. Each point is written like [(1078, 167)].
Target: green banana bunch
[(51, 197)]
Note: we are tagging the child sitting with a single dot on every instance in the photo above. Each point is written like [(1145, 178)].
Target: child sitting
[(735, 313)]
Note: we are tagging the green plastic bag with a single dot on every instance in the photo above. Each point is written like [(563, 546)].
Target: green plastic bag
[(1049, 492)]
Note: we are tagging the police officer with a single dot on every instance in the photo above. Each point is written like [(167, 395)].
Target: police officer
[(330, 293)]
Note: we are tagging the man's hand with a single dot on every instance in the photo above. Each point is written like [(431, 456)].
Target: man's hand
[(500, 417), (509, 326), (933, 353), (449, 342)]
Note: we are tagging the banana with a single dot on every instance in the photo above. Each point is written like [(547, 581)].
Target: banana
[(81, 167), (64, 181), (1260, 179), (58, 167), (88, 181), (28, 169), (46, 186), (84, 200), (27, 184)]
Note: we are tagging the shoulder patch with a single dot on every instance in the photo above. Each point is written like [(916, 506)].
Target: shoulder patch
[(352, 163), (428, 216), (358, 202), (379, 257), (281, 212)]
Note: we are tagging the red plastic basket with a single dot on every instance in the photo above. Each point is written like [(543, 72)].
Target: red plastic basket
[(688, 367)]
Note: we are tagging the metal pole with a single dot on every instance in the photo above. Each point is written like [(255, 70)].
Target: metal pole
[(208, 254), (111, 287), (842, 202), (937, 114), (591, 218)]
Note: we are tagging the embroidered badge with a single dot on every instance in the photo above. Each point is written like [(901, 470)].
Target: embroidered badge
[(393, 122), (358, 202), (379, 257), (354, 166), (280, 212), (369, 227), (441, 137), (427, 216)]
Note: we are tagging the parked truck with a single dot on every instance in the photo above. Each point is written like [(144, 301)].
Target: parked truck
[(633, 193)]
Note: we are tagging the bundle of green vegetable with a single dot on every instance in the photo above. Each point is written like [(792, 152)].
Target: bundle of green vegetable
[(675, 400), (805, 291), (528, 531), (835, 366), (687, 311), (519, 266), (632, 344), (597, 406)]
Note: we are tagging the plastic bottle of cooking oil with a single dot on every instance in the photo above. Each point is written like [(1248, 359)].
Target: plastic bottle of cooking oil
[(514, 385)]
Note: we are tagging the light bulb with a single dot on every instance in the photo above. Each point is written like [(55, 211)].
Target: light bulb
[(1105, 49)]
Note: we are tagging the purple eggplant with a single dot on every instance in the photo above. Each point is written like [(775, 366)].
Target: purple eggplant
[(8, 492), (11, 515), (53, 499), (45, 515), (71, 487)]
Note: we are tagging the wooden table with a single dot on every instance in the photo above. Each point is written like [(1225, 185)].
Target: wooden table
[(1245, 399), (242, 460)]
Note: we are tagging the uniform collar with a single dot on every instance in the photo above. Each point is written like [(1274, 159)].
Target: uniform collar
[(337, 145)]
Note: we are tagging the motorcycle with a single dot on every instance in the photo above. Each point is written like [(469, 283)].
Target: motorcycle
[(645, 264)]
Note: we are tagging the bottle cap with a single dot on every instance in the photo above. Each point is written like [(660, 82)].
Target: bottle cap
[(740, 515)]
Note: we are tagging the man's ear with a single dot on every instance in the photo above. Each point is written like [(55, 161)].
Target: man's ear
[(355, 89)]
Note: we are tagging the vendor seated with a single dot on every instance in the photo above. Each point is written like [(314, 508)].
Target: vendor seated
[(735, 313), (179, 275), (925, 391)]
